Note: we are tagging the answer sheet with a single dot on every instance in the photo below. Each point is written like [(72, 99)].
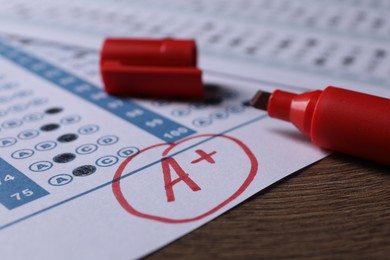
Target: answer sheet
[(84, 175)]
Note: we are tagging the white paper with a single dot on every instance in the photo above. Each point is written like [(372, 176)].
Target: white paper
[(305, 44), (92, 217), (83, 219)]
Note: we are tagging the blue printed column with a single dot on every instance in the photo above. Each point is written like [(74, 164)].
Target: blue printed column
[(148, 120), (16, 189)]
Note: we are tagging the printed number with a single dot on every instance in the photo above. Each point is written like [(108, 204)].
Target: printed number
[(134, 113), (155, 122), (175, 133), (115, 104), (7, 177), (26, 193)]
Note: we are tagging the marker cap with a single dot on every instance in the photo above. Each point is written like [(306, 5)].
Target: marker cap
[(151, 68)]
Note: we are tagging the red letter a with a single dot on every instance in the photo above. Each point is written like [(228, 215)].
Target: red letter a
[(182, 177)]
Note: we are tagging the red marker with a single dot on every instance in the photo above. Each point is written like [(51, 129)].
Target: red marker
[(335, 119)]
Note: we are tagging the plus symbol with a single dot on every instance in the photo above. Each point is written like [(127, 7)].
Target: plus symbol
[(204, 156)]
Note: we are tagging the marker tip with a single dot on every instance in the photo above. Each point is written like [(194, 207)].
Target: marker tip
[(260, 100)]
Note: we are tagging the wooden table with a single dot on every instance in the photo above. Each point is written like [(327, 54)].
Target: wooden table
[(338, 208)]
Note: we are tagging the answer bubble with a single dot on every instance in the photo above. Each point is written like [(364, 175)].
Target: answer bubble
[(72, 119), (88, 129), (7, 141), (53, 110), (86, 149), (12, 123), (40, 166), (84, 170), (22, 154), (66, 138), (60, 180), (107, 140), (106, 161), (45, 146), (126, 152), (64, 157), (28, 134), (33, 117), (49, 127)]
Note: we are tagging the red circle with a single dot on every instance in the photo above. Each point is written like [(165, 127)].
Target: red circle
[(125, 205)]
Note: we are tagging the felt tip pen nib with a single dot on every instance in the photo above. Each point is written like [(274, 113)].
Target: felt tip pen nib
[(260, 100)]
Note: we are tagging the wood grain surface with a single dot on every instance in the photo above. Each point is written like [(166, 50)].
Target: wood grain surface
[(337, 208)]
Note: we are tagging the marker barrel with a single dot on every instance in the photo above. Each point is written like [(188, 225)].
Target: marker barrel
[(340, 120)]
